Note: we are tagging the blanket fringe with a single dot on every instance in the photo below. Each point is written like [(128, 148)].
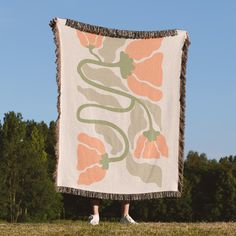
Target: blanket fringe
[(53, 25), (117, 196), (132, 34), (122, 34), (182, 112)]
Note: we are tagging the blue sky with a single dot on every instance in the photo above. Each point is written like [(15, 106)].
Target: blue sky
[(27, 69)]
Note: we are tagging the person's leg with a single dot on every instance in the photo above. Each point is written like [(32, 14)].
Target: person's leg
[(94, 218), (125, 217), (125, 208), (95, 206)]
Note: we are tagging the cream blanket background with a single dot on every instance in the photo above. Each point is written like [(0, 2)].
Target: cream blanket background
[(120, 129)]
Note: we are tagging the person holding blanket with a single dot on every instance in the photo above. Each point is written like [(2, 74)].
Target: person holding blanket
[(125, 217)]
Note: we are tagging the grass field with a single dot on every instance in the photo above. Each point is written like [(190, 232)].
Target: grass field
[(116, 228)]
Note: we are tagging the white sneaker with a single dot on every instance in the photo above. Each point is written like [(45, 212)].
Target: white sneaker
[(93, 219), (127, 219)]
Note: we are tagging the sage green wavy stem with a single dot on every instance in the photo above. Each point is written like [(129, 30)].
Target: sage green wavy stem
[(103, 122), (94, 54), (107, 64)]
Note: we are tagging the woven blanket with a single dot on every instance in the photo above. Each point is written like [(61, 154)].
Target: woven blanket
[(121, 111)]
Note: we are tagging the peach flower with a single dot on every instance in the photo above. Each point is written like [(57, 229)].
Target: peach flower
[(144, 76), (89, 40), (147, 148), (90, 152)]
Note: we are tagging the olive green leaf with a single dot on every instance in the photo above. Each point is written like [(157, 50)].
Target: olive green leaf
[(155, 110), (146, 172), (110, 46), (105, 76), (126, 65), (137, 122), (93, 95), (110, 137)]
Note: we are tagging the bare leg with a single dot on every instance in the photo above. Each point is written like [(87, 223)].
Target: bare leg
[(94, 218), (125, 208), (95, 206), (125, 217)]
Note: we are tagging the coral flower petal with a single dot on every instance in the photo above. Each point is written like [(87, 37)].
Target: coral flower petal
[(82, 37), (139, 146), (161, 143), (91, 175), (86, 157), (91, 38), (93, 142), (142, 47), (150, 70), (98, 42), (150, 150), (143, 89)]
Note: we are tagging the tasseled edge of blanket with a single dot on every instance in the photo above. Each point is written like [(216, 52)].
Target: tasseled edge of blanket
[(117, 196), (123, 34), (119, 33), (53, 25), (182, 112)]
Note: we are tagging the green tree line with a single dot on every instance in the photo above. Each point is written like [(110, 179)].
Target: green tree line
[(27, 189)]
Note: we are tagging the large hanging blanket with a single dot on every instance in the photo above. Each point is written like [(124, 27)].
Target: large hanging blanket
[(121, 106)]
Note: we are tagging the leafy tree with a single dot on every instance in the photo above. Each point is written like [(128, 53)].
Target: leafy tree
[(50, 142), (225, 196), (27, 193), (179, 209), (12, 135)]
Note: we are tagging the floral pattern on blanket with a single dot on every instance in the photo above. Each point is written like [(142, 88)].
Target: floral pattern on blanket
[(140, 66)]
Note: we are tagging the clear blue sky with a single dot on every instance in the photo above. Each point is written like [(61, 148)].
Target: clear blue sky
[(27, 69)]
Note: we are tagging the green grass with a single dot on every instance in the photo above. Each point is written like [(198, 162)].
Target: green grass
[(116, 228)]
